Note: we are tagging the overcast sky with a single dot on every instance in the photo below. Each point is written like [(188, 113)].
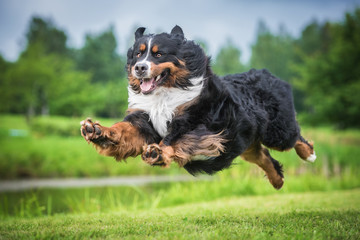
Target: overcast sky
[(213, 21)]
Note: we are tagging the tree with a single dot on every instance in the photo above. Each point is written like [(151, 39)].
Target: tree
[(332, 73), (277, 53), (44, 79), (44, 32), (310, 40), (99, 57), (228, 60), (46, 84), (44, 41), (25, 81), (107, 68), (4, 89), (273, 52), (49, 78)]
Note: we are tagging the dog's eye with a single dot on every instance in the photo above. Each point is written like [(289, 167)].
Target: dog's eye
[(158, 55), (138, 54)]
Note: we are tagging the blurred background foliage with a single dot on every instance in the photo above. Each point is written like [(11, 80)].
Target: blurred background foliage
[(51, 87), (49, 78)]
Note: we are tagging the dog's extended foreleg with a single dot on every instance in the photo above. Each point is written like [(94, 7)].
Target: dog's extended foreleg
[(192, 145), (121, 140)]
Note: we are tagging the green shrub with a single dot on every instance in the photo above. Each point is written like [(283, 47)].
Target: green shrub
[(54, 126)]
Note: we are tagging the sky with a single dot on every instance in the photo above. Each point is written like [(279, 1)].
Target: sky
[(212, 21)]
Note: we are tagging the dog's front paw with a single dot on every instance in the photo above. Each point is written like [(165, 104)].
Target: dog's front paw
[(94, 132), (152, 154), (90, 130)]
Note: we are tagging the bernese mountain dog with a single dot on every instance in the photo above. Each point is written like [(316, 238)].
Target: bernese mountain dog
[(180, 111)]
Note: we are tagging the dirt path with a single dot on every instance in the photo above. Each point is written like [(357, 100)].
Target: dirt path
[(21, 185)]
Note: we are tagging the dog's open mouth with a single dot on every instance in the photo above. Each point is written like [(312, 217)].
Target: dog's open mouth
[(148, 85)]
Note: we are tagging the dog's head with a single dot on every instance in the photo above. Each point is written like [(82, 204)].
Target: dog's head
[(163, 60)]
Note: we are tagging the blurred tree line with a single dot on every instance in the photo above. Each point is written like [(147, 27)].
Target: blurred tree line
[(323, 66), (50, 78)]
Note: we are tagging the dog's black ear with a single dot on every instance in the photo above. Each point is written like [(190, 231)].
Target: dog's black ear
[(139, 33), (177, 31)]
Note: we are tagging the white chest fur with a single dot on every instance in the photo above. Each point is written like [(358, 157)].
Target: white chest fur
[(161, 104)]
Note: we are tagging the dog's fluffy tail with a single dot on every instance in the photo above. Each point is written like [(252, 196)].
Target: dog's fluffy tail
[(305, 150)]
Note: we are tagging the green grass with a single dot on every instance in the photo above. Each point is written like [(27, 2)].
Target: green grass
[(317, 201), (38, 155), (54, 156), (325, 215), (46, 202), (53, 147)]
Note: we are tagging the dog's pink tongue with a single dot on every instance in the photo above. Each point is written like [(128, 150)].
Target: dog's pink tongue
[(146, 85)]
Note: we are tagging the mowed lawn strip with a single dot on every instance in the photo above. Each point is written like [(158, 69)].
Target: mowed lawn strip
[(316, 215)]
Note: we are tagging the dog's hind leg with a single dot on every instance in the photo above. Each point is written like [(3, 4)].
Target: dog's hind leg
[(261, 156), (305, 150)]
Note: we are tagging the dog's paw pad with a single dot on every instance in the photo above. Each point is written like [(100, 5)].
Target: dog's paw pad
[(90, 130), (152, 155)]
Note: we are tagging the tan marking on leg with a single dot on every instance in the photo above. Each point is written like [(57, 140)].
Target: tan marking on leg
[(168, 155), (303, 150), (256, 154), (121, 140), (192, 145), (184, 149)]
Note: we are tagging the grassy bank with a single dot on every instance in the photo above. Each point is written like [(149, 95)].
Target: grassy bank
[(53, 147), (49, 202), (317, 201), (326, 215)]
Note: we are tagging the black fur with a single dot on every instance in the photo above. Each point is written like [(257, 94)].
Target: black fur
[(254, 106), (140, 120), (248, 107)]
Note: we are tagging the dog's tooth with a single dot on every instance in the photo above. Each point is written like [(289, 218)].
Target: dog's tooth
[(157, 78)]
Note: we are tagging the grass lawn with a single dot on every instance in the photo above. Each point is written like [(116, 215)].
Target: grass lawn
[(238, 203), (52, 147), (316, 215)]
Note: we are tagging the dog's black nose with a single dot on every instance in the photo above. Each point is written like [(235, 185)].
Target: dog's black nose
[(141, 68)]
